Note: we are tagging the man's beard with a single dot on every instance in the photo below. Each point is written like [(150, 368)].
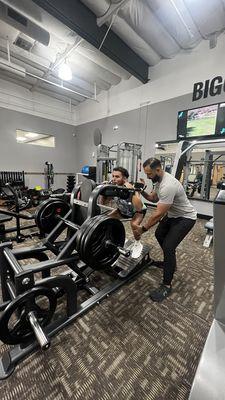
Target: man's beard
[(156, 179)]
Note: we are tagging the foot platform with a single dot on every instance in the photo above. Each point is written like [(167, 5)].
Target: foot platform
[(126, 266)]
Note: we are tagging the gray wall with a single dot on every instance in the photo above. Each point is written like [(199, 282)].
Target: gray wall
[(147, 125), (18, 156)]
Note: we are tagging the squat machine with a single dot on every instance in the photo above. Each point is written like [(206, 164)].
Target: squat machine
[(30, 309)]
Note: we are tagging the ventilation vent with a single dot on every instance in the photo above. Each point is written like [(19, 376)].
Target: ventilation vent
[(23, 24), (23, 43)]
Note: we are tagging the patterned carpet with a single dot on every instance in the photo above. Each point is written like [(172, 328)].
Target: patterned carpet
[(129, 347)]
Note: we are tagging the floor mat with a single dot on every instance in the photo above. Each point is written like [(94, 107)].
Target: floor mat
[(129, 347)]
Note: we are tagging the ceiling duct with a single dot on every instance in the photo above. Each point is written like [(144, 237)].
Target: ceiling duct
[(23, 24), (11, 67)]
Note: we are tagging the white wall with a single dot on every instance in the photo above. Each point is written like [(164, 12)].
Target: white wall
[(15, 97), (168, 79)]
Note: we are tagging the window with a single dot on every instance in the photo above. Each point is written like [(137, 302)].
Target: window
[(37, 139)]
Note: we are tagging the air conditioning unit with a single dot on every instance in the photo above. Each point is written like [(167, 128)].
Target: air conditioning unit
[(23, 24)]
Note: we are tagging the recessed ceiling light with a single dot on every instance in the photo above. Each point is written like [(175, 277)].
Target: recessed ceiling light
[(31, 135), (21, 139)]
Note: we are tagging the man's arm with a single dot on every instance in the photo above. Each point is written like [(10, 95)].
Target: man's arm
[(137, 203), (150, 196), (156, 215), (136, 199)]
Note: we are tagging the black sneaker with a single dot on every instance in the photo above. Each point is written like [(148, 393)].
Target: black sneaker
[(158, 264), (161, 293)]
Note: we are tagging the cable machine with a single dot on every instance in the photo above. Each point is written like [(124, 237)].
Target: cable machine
[(126, 155)]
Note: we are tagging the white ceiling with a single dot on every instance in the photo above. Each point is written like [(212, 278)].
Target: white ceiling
[(159, 29), (89, 66), (154, 29)]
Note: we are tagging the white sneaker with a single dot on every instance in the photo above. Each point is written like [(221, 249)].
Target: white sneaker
[(137, 249)]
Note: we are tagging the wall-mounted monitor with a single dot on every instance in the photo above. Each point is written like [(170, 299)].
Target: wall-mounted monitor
[(202, 122)]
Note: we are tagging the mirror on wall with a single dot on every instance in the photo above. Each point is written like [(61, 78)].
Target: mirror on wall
[(203, 171), (37, 139), (166, 152)]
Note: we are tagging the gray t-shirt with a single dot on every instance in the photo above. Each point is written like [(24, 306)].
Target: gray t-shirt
[(171, 191)]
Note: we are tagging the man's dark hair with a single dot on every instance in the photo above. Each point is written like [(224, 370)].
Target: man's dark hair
[(152, 162), (123, 171)]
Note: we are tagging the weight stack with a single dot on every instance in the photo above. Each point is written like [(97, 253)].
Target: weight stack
[(70, 183)]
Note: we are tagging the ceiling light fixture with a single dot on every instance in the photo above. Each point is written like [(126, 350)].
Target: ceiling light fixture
[(65, 72), (21, 139), (31, 135)]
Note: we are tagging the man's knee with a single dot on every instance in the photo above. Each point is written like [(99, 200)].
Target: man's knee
[(159, 236), (168, 249)]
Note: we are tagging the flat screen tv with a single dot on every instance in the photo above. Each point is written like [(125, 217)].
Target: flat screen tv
[(202, 122)]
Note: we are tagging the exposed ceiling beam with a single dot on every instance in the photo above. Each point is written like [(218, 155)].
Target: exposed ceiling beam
[(86, 88), (61, 87), (57, 96), (50, 93), (82, 20), (8, 76), (59, 59)]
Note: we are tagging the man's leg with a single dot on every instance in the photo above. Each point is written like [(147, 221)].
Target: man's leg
[(160, 234), (115, 214), (179, 228), (137, 247)]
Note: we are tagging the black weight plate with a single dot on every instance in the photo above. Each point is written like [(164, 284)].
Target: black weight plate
[(39, 211), (89, 226), (46, 214), (99, 253), (19, 308), (114, 231), (82, 234), (85, 234), (89, 231), (93, 250)]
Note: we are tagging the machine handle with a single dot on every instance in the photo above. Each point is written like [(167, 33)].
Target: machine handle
[(121, 250)]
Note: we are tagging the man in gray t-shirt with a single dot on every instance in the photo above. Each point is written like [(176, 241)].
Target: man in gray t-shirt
[(176, 217)]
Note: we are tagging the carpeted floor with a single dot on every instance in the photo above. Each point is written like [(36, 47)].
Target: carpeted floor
[(129, 347)]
